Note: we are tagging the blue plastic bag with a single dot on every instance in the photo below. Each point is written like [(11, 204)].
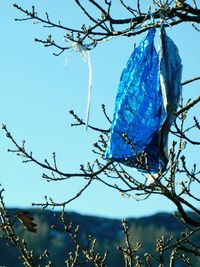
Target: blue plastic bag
[(142, 110)]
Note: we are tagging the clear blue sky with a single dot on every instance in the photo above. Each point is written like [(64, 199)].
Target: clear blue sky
[(38, 90)]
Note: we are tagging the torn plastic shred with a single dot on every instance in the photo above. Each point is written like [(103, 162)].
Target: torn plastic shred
[(83, 50), (148, 96)]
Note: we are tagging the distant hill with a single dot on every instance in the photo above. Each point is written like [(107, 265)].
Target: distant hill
[(108, 233)]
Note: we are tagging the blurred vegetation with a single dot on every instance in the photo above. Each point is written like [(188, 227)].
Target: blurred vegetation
[(108, 233)]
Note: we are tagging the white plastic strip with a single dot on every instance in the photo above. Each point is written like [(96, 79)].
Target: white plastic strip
[(89, 90)]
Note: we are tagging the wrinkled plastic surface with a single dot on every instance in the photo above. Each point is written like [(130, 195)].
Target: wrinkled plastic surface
[(138, 108), (142, 106)]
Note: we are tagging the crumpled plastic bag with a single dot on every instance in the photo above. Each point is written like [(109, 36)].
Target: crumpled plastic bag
[(148, 95)]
